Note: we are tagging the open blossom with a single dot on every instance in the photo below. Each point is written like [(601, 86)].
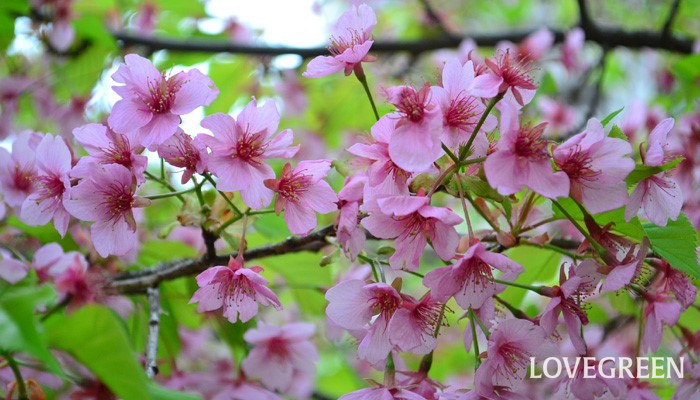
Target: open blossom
[(51, 185), (567, 300), (152, 103), (184, 152), (61, 33), (351, 40), (560, 117), (236, 288), (677, 282), (46, 260), (302, 192), (585, 387), (18, 169), (412, 221), (623, 271), (382, 393), (104, 146), (521, 159), (458, 98), (571, 49), (239, 149), (510, 347), (597, 166), (532, 48), (352, 305), (470, 279), (659, 195), (108, 198), (661, 309), (415, 143), (412, 327), (376, 154), (280, 353), (11, 270), (516, 77), (349, 232)]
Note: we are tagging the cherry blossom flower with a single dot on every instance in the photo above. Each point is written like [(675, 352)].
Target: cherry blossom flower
[(280, 352), (382, 393), (571, 49), (240, 147), (104, 146), (585, 387), (152, 103), (415, 143), (108, 198), (71, 116), (376, 154), (18, 169), (597, 166), (458, 98), (560, 117), (61, 33), (470, 278), (521, 159), (241, 389), (349, 232), (510, 347), (46, 259), (661, 309), (412, 220), (532, 48), (236, 288), (353, 303), (351, 40), (296, 101), (51, 185), (677, 282), (11, 270), (301, 193), (622, 272), (146, 18), (184, 152), (515, 75), (659, 195), (412, 327), (567, 300)]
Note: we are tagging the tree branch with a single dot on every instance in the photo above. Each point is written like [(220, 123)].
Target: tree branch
[(139, 281), (666, 30), (153, 327)]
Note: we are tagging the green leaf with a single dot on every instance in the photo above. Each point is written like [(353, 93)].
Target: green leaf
[(473, 184), (610, 116), (676, 243), (541, 267), (617, 133), (95, 336), (19, 325), (641, 172), (154, 252)]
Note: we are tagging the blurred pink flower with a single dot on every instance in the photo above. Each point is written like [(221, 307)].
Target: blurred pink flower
[(349, 232), (350, 43), (412, 220), (677, 282), (382, 393), (597, 166), (279, 353), (236, 288), (301, 193), (108, 198), (18, 169), (152, 103), (571, 49), (470, 278), (12, 270), (661, 309), (560, 117), (51, 185), (239, 149), (184, 152)]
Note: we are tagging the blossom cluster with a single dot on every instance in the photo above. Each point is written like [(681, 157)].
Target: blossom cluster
[(464, 145)]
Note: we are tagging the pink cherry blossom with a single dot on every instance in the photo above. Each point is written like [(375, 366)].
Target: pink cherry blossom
[(510, 347), (353, 303), (415, 143), (351, 40), (104, 146), (560, 117), (184, 152), (412, 327), (152, 103), (515, 75), (677, 282), (11, 270), (280, 352), (236, 288), (146, 18), (382, 393), (458, 98), (239, 149), (412, 220), (584, 387), (71, 116), (470, 279), (51, 185), (661, 309), (624, 271), (301, 193), (376, 155), (108, 198), (597, 166), (567, 300), (521, 159), (46, 260), (61, 33), (18, 169), (530, 49), (659, 195), (571, 49), (241, 389), (349, 232)]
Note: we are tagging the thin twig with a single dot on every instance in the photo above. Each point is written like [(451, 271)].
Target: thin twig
[(153, 327), (668, 24)]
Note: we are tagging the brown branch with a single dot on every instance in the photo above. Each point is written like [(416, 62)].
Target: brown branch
[(666, 30), (139, 281)]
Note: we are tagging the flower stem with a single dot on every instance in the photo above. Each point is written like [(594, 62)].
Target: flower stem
[(464, 150), (198, 191), (360, 74), (164, 183), (535, 289), (238, 212), (464, 209), (169, 194), (472, 322), (594, 243), (390, 372), (21, 388), (480, 212)]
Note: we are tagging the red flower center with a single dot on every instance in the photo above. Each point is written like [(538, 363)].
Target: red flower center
[(461, 113)]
